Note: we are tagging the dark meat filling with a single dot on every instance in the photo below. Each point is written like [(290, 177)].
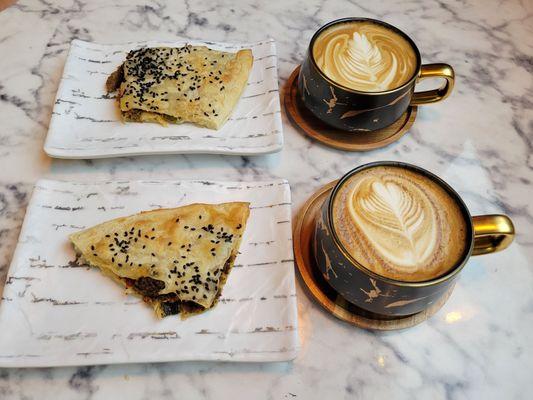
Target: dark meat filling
[(148, 287), (170, 302), (135, 116), (115, 79)]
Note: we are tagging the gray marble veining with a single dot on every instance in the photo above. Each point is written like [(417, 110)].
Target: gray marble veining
[(480, 140)]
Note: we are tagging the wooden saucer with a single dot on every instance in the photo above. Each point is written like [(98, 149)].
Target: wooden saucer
[(336, 138), (324, 294)]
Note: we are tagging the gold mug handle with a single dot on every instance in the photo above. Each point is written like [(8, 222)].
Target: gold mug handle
[(444, 71), (492, 233)]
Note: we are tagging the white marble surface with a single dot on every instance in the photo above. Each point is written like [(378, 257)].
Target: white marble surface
[(479, 346)]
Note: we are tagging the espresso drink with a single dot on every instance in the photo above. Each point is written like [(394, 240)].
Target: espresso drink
[(399, 223), (365, 56)]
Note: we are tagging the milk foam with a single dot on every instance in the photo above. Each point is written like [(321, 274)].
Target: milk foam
[(399, 224), (397, 218), (364, 56)]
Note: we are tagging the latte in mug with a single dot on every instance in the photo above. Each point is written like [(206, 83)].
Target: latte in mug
[(365, 56), (399, 224)]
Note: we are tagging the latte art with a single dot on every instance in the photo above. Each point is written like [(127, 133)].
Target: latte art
[(399, 224), (364, 56)]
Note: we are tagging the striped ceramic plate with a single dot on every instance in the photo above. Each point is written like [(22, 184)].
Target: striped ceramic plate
[(86, 124), (57, 312)]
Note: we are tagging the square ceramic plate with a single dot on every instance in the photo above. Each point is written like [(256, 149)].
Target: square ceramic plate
[(55, 312), (86, 122)]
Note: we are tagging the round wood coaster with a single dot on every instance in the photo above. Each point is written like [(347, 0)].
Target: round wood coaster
[(324, 294), (336, 138)]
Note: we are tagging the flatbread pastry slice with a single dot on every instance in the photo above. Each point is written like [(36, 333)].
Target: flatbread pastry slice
[(186, 84), (175, 259)]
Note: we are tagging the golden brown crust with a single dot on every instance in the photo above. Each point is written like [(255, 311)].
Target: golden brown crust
[(178, 253), (192, 84)]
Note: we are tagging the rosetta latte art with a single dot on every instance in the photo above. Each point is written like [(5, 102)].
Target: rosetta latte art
[(399, 224), (364, 56)]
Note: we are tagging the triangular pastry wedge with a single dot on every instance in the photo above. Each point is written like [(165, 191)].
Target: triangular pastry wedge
[(180, 84), (175, 259)]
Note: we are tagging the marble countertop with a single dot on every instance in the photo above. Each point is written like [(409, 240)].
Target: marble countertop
[(480, 140)]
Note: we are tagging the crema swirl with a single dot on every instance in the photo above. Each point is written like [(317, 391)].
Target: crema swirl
[(365, 56), (399, 223)]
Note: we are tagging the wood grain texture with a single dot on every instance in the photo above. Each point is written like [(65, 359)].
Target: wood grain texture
[(322, 293), (6, 3), (313, 127)]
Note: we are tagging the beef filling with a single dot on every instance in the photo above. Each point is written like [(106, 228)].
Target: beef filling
[(115, 79), (135, 115), (175, 307), (170, 302), (148, 286)]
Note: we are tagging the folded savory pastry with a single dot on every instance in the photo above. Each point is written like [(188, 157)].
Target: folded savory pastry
[(175, 259), (186, 84)]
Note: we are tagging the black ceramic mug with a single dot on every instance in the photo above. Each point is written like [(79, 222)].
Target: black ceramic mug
[(356, 110), (385, 297)]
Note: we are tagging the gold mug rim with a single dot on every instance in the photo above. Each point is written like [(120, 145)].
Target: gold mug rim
[(413, 78), (452, 272)]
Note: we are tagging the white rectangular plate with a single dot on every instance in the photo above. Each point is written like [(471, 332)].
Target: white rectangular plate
[(55, 312), (86, 122)]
